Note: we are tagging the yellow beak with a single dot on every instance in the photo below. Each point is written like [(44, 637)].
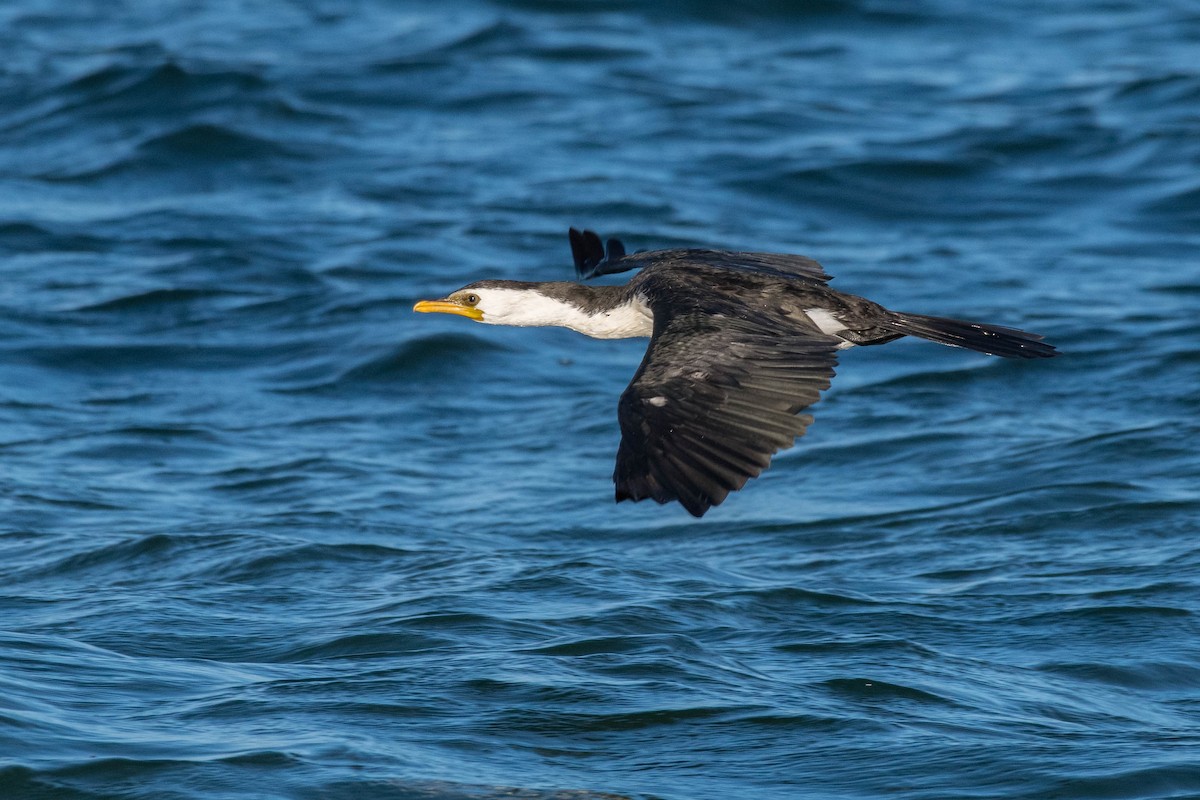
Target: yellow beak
[(446, 307)]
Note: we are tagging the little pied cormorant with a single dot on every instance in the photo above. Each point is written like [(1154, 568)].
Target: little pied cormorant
[(740, 344)]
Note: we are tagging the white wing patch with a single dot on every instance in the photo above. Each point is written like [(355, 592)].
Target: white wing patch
[(825, 321)]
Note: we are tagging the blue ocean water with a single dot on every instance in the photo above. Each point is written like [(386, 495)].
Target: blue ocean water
[(266, 533)]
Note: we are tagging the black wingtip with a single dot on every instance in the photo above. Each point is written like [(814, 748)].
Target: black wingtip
[(578, 251), (586, 250), (590, 256), (636, 488)]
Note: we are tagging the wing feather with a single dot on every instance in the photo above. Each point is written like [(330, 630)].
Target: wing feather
[(713, 400), (594, 257)]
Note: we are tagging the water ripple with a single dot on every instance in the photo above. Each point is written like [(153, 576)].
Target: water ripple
[(265, 527)]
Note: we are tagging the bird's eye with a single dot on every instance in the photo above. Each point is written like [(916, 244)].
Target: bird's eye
[(471, 299)]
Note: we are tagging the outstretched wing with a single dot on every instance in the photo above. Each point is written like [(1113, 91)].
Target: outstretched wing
[(713, 400), (591, 259), (767, 263), (594, 258)]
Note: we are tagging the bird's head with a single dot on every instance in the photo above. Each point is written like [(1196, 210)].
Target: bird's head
[(465, 302), (599, 311), (503, 303)]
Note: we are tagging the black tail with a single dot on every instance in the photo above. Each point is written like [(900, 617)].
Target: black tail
[(991, 339)]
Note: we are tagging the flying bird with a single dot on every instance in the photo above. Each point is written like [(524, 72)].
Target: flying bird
[(740, 344)]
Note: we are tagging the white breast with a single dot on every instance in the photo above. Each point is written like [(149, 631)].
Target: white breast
[(623, 322)]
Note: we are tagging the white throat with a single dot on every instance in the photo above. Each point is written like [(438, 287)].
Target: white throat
[(532, 309)]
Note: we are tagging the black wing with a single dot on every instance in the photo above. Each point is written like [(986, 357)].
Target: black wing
[(714, 399), (591, 260), (594, 258), (770, 264)]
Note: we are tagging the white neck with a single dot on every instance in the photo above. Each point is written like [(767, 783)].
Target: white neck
[(530, 308)]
